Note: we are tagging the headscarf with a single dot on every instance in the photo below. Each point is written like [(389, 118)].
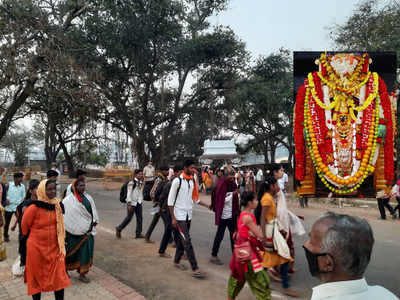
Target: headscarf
[(41, 193), (75, 191)]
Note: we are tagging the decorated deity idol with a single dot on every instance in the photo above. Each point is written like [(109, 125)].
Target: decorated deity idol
[(344, 126)]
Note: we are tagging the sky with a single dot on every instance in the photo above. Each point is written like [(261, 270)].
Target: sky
[(267, 25)]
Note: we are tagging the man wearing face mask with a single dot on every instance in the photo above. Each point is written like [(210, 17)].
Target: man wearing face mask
[(338, 252)]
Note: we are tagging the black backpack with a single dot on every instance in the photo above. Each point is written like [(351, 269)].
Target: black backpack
[(123, 193), (158, 191)]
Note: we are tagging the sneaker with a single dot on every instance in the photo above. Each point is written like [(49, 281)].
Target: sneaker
[(216, 261), (148, 241), (139, 236), (382, 219)]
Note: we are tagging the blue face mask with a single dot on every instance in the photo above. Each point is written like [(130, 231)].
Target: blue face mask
[(312, 259)]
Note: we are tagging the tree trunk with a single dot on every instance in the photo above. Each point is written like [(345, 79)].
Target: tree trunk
[(266, 153), (67, 156), (272, 146), (138, 143), (15, 105), (51, 148)]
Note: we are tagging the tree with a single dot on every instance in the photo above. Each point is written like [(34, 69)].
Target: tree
[(371, 27), (33, 45), (172, 42), (18, 142), (262, 105)]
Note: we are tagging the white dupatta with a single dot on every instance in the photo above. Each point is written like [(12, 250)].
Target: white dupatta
[(77, 219), (287, 220)]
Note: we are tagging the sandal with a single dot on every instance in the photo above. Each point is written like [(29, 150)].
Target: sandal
[(84, 279), (165, 255), (198, 274), (181, 267)]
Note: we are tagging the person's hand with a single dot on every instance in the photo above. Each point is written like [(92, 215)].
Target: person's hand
[(13, 227), (95, 224), (174, 223), (210, 207), (7, 202), (130, 208)]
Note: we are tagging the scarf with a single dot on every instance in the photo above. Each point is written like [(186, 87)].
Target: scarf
[(41, 193), (75, 191), (195, 193)]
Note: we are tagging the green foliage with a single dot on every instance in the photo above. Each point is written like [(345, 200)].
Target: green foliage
[(135, 45), (262, 104), (17, 141), (373, 26)]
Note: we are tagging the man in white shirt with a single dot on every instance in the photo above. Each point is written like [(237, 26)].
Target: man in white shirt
[(149, 176), (259, 178), (184, 191), (134, 200), (149, 172), (54, 167), (338, 252), (395, 194), (283, 182)]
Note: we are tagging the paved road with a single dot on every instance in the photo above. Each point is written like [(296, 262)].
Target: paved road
[(383, 269)]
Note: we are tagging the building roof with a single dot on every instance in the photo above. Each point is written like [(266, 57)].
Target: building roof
[(219, 149)]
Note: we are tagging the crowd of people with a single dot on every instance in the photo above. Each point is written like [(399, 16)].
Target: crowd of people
[(251, 204), (57, 235)]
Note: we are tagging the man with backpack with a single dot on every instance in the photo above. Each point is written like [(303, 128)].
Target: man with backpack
[(184, 191), (155, 193), (165, 215), (134, 199)]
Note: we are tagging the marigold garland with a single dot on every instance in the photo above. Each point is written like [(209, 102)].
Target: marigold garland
[(310, 128), (323, 170)]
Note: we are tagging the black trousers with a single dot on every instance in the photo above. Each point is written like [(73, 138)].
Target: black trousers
[(184, 244), (231, 224), (153, 225), (58, 295), (168, 229), (138, 211), (382, 203), (8, 215)]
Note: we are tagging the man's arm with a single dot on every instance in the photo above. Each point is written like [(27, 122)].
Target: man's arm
[(171, 200), (129, 196)]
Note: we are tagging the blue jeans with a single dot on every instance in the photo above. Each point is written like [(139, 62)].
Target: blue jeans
[(284, 275)]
